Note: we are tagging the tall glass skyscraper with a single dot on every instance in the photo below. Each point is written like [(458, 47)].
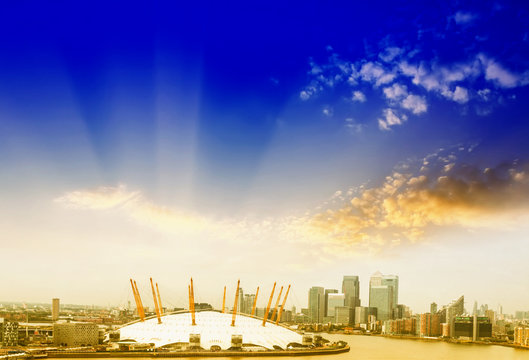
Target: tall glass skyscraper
[(316, 304), (351, 290), (384, 294)]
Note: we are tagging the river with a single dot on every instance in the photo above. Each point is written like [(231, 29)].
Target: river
[(382, 348)]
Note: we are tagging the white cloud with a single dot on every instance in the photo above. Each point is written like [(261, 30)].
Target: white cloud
[(460, 95), (462, 17), (500, 76), (390, 53), (390, 119), (352, 126), (395, 92), (104, 197), (415, 103), (304, 95), (374, 72), (484, 94), (359, 96), (327, 111)]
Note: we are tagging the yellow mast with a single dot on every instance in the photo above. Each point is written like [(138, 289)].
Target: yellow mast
[(192, 293), (142, 309), (159, 299), (136, 299), (282, 306), (235, 304), (224, 300), (277, 304), (265, 317), (156, 308), (255, 301)]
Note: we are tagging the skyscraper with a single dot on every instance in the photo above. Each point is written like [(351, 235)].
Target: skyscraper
[(316, 304), (351, 291), (433, 308), (334, 301), (240, 305), (327, 292), (54, 309), (393, 281), (381, 297)]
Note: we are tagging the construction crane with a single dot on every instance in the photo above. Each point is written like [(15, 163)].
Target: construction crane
[(235, 304), (138, 307), (277, 304), (156, 307), (142, 309), (282, 306), (255, 301), (159, 299), (224, 300), (265, 317)]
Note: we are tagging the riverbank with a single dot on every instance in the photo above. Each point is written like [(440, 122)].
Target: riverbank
[(447, 340), (179, 354)]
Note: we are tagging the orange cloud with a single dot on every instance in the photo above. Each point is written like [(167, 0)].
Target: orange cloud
[(406, 205)]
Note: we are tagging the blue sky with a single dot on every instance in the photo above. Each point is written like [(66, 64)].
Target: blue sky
[(340, 139)]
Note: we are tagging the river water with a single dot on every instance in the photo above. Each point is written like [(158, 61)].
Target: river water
[(381, 348)]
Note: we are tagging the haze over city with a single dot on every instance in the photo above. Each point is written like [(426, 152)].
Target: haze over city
[(289, 143)]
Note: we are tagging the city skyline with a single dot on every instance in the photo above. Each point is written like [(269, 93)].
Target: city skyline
[(278, 142)]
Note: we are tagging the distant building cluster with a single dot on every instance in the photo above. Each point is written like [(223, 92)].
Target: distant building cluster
[(332, 309)]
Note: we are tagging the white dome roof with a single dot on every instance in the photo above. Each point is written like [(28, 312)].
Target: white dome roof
[(214, 328)]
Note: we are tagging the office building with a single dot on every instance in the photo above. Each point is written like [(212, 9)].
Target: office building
[(8, 333), (334, 300), (343, 315), (248, 303), (240, 305), (456, 308), (433, 308), (430, 325), (351, 290), (360, 315), (521, 336), (381, 297), (316, 304), (75, 334), (55, 307), (472, 327), (327, 292)]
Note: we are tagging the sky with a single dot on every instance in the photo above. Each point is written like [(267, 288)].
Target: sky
[(293, 142)]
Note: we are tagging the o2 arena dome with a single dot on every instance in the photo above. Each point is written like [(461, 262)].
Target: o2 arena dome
[(213, 329)]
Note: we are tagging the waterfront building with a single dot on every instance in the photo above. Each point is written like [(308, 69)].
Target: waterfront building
[(327, 292), (521, 336), (343, 315), (472, 327), (55, 307), (456, 308), (430, 325), (212, 329), (360, 315), (316, 304), (75, 334)]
